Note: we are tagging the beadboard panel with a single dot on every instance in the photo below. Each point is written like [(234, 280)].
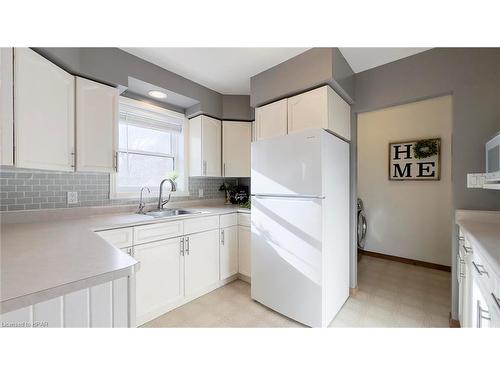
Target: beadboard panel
[(105, 305)]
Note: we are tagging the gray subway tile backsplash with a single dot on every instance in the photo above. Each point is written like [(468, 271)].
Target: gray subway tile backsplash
[(23, 189)]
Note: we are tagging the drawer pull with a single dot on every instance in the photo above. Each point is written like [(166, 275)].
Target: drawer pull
[(480, 315), (496, 299), (480, 269), (468, 250), (181, 245)]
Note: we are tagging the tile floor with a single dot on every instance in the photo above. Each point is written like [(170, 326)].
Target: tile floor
[(391, 294)]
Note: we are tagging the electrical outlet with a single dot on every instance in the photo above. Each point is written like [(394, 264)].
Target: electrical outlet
[(200, 193), (72, 197)]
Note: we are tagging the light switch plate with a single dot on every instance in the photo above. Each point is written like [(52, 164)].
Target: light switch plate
[(72, 197), (200, 193)]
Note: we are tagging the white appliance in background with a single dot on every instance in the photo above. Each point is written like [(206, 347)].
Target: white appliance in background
[(300, 225)]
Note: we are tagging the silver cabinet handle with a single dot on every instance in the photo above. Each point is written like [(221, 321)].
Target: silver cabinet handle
[(224, 169), (222, 237), (480, 315), (204, 167), (468, 250), (480, 269), (73, 160), (130, 251), (116, 161), (187, 246), (496, 299), (461, 238), (181, 245)]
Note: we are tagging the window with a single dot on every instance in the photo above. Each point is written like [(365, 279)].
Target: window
[(150, 148)]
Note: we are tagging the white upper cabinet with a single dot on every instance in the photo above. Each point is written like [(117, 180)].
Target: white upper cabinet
[(96, 126), (236, 140), (204, 146), (44, 113), (6, 107), (271, 120), (319, 108)]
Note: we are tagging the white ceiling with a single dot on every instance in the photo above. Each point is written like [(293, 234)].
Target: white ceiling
[(228, 70), (225, 70), (364, 58)]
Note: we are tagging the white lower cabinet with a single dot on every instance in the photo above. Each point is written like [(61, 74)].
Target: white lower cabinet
[(160, 279), (201, 261), (228, 252), (244, 260)]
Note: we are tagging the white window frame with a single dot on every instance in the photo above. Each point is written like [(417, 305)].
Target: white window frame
[(180, 153)]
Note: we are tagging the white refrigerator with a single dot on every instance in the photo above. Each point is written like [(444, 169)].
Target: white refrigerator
[(300, 225)]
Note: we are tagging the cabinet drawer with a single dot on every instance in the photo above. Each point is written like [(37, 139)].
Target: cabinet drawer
[(244, 219), (228, 220), (118, 237), (201, 224), (156, 232)]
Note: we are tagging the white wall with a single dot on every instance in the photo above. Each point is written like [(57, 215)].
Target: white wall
[(410, 219)]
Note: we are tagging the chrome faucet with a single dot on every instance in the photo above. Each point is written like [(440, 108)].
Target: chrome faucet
[(140, 209), (162, 202)]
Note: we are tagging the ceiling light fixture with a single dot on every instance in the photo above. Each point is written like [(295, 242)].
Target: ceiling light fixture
[(157, 94)]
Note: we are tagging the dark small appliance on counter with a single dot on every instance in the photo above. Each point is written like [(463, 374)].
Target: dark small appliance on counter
[(238, 194)]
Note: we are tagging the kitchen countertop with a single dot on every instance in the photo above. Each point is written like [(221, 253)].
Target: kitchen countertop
[(49, 257), (482, 229)]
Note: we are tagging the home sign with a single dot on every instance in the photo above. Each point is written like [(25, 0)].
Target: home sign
[(415, 160)]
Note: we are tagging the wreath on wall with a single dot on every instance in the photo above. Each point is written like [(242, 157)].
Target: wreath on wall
[(425, 148)]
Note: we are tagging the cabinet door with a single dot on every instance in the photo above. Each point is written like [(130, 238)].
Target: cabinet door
[(159, 280), (44, 112), (236, 140), (96, 126), (244, 258), (6, 107), (228, 252), (211, 147), (201, 261), (308, 110), (271, 120)]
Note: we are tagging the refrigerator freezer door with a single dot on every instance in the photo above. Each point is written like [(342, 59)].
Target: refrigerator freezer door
[(288, 165), (286, 256)]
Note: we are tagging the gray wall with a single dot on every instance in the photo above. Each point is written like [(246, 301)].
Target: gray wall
[(312, 68), (237, 107), (114, 66), (472, 76)]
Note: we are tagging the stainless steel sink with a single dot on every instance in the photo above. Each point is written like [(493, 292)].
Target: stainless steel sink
[(170, 212)]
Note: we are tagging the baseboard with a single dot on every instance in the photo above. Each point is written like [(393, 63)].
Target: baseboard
[(454, 323), (245, 278), (414, 262)]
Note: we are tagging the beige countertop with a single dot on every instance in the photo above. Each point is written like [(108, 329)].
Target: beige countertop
[(482, 229), (46, 255)]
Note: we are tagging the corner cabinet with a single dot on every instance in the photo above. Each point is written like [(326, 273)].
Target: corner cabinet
[(271, 120), (319, 108), (6, 107), (236, 140), (160, 279), (96, 126), (205, 146), (44, 113)]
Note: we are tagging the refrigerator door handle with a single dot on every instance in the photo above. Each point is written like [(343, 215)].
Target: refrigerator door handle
[(288, 196)]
